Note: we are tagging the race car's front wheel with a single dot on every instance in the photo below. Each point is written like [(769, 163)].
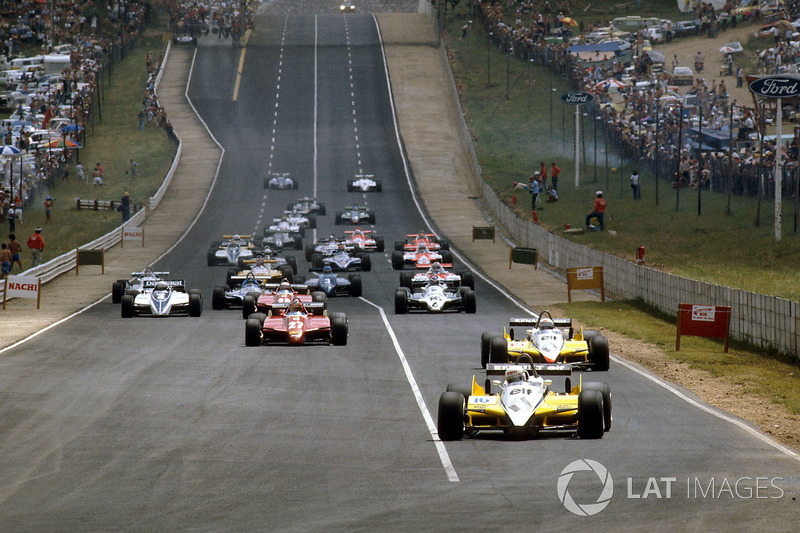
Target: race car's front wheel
[(287, 273), (292, 262), (126, 310), (252, 332), (598, 353), (590, 414), (380, 245), (400, 301), (195, 305), (366, 262), (605, 390), (309, 251), (218, 298), (405, 279), (450, 423), (468, 279), (316, 261), (397, 260), (498, 350), (338, 329), (211, 257), (337, 219)]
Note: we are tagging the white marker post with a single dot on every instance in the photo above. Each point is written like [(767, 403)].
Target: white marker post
[(577, 98)]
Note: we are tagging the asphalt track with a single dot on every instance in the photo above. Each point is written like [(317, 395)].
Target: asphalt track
[(174, 424)]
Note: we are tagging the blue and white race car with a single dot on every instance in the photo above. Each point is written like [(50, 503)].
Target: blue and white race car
[(342, 260), (355, 215), (364, 183), (226, 297), (162, 298), (279, 181), (307, 206), (434, 298), (333, 285), (230, 249)]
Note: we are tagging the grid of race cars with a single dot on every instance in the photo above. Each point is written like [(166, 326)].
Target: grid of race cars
[(280, 305)]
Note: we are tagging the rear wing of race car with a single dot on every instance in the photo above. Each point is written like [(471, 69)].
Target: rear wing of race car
[(543, 369), (252, 260), (314, 308), (300, 288), (156, 274), (261, 278), (175, 284), (363, 232), (428, 265), (241, 237), (531, 322)]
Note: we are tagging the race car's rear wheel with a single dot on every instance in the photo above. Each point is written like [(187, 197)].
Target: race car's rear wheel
[(218, 298), (400, 301), (349, 185), (252, 332), (380, 246), (322, 211), (378, 186), (468, 280), (319, 297), (366, 262), (211, 257), (447, 256), (399, 246), (370, 217), (126, 310), (299, 279), (195, 305), (450, 421), (316, 261), (228, 275), (286, 273), (605, 390), (486, 338), (498, 349), (444, 244), (309, 251), (117, 290), (397, 260), (406, 278), (590, 414), (248, 305), (240, 263), (598, 353), (337, 219), (298, 242), (312, 221), (292, 262), (339, 329), (355, 285), (590, 334), (470, 302)]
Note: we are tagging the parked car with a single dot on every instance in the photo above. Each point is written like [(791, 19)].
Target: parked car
[(684, 28)]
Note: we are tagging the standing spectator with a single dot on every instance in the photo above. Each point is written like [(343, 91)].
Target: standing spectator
[(554, 172), (81, 175), (739, 76), (48, 209), (36, 244), (5, 260), (125, 206), (16, 250), (97, 178), (100, 170), (635, 185), (141, 116), (598, 212), (543, 175), (12, 218), (132, 169)]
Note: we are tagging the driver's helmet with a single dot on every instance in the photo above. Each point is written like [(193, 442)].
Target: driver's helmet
[(285, 286), (236, 237), (355, 207), (332, 238), (250, 283), (342, 247), (357, 231), (148, 271), (259, 261), (515, 373), (436, 267), (161, 286), (421, 235), (422, 248), (546, 323), (327, 269), (296, 306)]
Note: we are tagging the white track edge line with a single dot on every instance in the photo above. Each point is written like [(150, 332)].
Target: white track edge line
[(444, 457)]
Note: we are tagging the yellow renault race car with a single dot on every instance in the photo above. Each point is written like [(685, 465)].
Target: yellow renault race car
[(548, 340), (525, 405)]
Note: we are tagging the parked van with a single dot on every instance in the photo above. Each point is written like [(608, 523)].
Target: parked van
[(26, 61)]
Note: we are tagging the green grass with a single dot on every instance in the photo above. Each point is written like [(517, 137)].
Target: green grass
[(112, 142), (512, 135), (762, 373)]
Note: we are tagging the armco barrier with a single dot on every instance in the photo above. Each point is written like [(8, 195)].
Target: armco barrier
[(762, 320)]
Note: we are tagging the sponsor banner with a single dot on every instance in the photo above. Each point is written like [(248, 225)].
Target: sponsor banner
[(22, 287), (132, 234), (711, 321)]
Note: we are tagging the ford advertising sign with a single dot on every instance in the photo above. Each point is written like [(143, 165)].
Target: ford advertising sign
[(577, 97), (776, 86)]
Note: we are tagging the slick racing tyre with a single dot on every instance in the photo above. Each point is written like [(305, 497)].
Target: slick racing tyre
[(195, 305), (598, 353), (590, 414), (252, 332), (218, 298), (126, 310), (338, 329), (356, 289), (605, 390), (486, 338), (117, 290), (401, 301), (450, 422), (498, 349)]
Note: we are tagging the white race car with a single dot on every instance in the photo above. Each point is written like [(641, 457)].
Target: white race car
[(280, 181), (434, 298), (307, 206), (163, 298), (437, 271), (119, 287), (230, 249), (364, 183)]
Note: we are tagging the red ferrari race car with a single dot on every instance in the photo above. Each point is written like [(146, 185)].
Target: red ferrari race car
[(414, 239), (296, 324), (363, 240), (421, 257), (273, 294)]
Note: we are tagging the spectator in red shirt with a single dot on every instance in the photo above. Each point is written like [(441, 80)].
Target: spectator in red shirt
[(554, 172), (36, 244), (598, 212), (543, 174)]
